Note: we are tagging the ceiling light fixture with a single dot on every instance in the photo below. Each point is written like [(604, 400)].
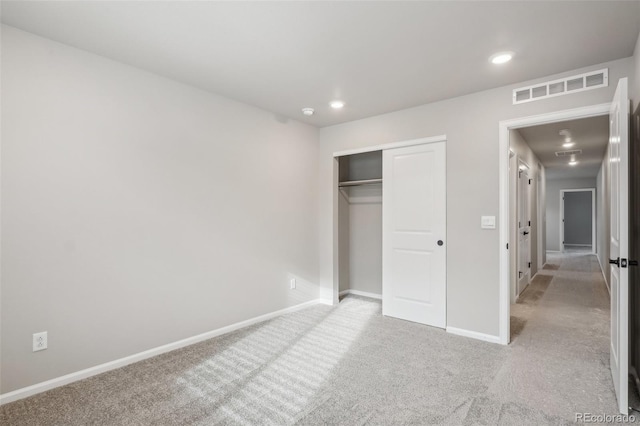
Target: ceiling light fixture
[(501, 58), (308, 111), (336, 104), (566, 133), (573, 162)]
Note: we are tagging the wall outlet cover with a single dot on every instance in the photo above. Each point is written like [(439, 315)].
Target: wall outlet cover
[(40, 341)]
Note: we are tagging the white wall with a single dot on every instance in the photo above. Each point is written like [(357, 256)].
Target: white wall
[(471, 125), (137, 211), (603, 224), (553, 205)]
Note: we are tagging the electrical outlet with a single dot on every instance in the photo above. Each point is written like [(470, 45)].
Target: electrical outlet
[(40, 341), (292, 283)]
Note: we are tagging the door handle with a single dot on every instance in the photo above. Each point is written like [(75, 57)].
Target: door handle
[(633, 263), (440, 242), (615, 262), (525, 233)]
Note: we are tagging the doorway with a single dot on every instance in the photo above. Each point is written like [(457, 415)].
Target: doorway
[(578, 220), (505, 127), (614, 169), (523, 196)]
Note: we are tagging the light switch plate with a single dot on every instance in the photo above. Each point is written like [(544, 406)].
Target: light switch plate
[(488, 222)]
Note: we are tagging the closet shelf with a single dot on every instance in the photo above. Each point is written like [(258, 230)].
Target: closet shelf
[(358, 182)]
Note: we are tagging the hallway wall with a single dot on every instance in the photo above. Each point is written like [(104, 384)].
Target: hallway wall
[(603, 233)]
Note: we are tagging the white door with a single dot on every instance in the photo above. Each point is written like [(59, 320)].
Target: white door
[(413, 234), (619, 244), (524, 228)]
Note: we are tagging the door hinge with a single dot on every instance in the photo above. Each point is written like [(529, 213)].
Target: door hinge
[(529, 264), (529, 181), (519, 274), (507, 246), (519, 224), (529, 223)]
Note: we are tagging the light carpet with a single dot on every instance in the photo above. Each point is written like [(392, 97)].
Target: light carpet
[(349, 365)]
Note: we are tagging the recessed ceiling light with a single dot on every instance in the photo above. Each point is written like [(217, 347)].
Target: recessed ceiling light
[(308, 111), (573, 163), (501, 58), (336, 104), (568, 144)]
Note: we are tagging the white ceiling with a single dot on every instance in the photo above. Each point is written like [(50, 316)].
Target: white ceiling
[(591, 135), (376, 56)]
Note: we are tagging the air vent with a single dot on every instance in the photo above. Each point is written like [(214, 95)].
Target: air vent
[(565, 86), (568, 153)]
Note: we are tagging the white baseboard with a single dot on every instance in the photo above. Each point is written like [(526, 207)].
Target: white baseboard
[(362, 293), (112, 365), (606, 281), (474, 335)]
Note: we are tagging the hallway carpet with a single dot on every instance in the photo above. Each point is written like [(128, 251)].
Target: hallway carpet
[(349, 365)]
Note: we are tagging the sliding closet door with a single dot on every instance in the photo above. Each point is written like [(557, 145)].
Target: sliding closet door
[(413, 234)]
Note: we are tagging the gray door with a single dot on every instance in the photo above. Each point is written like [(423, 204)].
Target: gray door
[(578, 219)]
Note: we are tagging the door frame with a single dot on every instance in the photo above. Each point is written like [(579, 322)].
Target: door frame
[(336, 193), (540, 219), (504, 127), (513, 233), (593, 216)]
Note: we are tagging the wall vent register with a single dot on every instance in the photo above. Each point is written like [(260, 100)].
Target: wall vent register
[(565, 86), (568, 153)]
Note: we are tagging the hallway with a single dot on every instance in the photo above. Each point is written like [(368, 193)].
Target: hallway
[(560, 340)]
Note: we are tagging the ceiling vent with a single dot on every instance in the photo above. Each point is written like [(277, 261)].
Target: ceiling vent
[(565, 86), (568, 153)]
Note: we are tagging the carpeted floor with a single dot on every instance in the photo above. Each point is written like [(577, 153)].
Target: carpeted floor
[(348, 365)]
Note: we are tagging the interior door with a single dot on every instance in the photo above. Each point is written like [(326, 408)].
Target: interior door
[(619, 243), (413, 234), (524, 228)]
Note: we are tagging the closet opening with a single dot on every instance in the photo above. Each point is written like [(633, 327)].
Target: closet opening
[(360, 224), (390, 228)]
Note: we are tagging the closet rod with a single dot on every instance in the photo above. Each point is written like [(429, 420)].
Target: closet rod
[(358, 182)]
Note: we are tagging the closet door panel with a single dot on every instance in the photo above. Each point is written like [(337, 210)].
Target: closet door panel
[(414, 221)]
